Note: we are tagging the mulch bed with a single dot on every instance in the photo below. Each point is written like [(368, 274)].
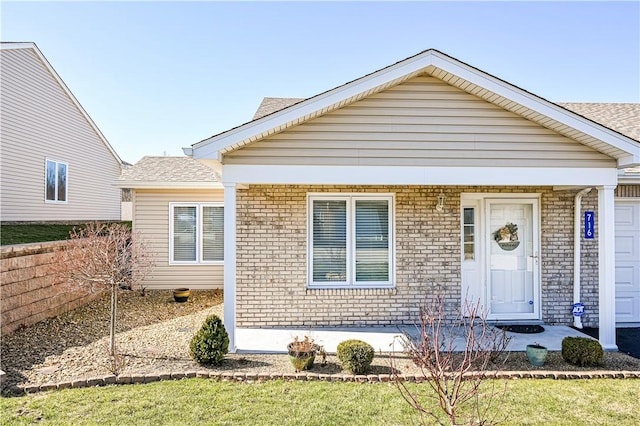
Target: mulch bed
[(153, 337)]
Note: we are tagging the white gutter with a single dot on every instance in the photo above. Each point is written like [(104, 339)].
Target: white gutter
[(577, 209)]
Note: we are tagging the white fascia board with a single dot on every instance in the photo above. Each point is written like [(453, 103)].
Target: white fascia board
[(214, 146), (630, 161), (167, 185), (6, 45), (629, 180), (537, 104), (397, 175)]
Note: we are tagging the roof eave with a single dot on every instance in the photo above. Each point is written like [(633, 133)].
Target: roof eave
[(136, 184), (537, 104)]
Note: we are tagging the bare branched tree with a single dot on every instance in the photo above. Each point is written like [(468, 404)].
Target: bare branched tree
[(101, 257), (459, 363)]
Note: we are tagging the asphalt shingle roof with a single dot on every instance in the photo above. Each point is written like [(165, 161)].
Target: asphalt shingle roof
[(623, 118), (271, 105), (169, 169)]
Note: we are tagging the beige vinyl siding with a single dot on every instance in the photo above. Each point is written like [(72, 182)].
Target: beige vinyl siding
[(151, 219), (39, 122), (423, 122)]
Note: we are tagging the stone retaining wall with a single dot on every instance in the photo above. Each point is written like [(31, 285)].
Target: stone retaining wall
[(28, 293)]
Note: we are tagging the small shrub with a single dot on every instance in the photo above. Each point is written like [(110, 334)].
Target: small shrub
[(211, 343), (355, 355), (582, 351)]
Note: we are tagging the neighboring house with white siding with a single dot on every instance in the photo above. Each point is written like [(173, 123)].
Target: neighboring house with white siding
[(56, 166), (177, 208), (351, 207)]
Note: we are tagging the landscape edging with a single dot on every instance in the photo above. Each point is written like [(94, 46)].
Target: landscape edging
[(230, 376)]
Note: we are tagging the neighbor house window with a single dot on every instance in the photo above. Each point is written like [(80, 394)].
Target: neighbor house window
[(56, 181), (351, 240), (196, 233)]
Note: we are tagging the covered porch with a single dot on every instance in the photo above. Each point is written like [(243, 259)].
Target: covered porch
[(330, 214), (293, 300)]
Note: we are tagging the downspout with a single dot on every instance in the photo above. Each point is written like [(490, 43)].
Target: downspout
[(577, 209)]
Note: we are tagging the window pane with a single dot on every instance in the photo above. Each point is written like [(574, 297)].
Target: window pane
[(51, 181), (62, 182), (468, 216), (329, 241), (372, 240), (184, 233), (469, 251), (212, 233), (469, 233)]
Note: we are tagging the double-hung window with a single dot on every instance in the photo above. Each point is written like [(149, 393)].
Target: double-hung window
[(55, 182), (351, 240), (196, 233)]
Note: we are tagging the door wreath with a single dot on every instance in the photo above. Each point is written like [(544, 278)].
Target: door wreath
[(507, 237)]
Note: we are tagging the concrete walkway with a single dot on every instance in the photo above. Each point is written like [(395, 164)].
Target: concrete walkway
[(385, 339)]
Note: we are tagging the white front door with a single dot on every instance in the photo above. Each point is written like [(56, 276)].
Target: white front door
[(512, 239), (627, 262)]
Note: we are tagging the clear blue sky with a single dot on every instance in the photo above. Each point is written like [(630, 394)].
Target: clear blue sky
[(157, 76)]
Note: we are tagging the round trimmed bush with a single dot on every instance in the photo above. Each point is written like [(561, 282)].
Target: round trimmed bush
[(582, 351), (211, 343), (355, 355)]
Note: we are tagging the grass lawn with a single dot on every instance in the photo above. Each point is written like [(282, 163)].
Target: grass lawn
[(34, 233), (200, 401)]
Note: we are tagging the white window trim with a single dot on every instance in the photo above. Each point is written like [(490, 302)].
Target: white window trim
[(199, 207), (351, 258), (55, 189)]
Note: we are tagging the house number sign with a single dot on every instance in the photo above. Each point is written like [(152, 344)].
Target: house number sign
[(589, 223)]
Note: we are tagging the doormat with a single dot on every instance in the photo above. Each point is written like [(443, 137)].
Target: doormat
[(522, 328)]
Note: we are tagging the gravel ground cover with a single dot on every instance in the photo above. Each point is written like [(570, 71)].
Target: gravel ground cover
[(154, 334)]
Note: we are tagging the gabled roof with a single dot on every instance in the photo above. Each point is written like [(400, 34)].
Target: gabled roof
[(168, 172), (452, 71), (32, 46)]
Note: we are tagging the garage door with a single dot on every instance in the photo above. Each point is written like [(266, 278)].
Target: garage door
[(627, 262)]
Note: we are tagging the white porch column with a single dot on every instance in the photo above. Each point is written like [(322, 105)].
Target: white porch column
[(230, 263), (607, 267)]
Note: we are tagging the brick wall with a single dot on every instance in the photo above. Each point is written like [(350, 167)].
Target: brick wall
[(272, 258), (28, 293), (557, 259)]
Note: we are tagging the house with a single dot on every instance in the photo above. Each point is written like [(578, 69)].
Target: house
[(427, 177), (56, 165), (177, 208)]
